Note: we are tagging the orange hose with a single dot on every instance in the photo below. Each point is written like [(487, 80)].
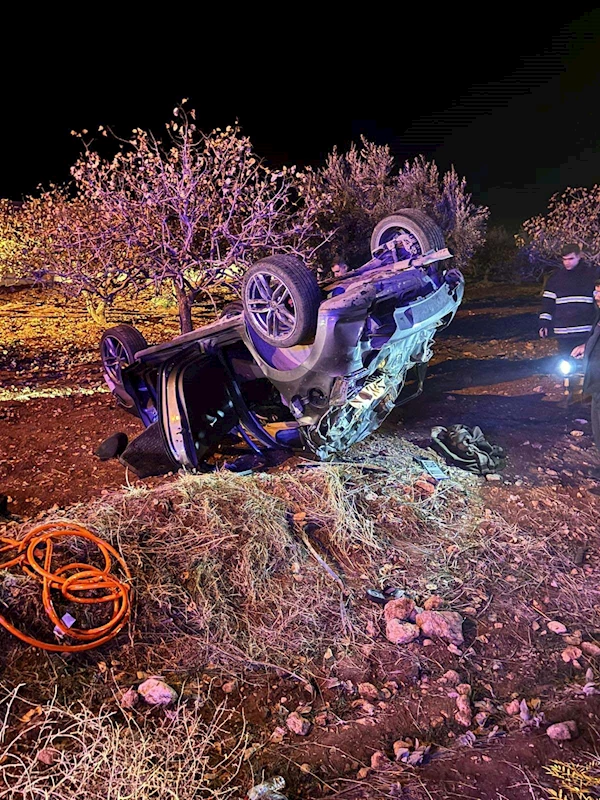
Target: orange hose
[(84, 578)]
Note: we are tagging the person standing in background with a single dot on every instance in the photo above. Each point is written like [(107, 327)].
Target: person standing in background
[(568, 308)]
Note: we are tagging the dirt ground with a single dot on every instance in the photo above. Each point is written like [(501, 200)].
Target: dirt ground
[(489, 370)]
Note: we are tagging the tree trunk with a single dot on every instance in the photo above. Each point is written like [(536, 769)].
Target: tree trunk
[(184, 304), (97, 310)]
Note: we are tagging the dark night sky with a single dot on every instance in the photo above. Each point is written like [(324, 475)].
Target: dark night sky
[(512, 105)]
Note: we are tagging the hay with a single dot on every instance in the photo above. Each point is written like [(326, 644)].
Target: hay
[(108, 755), (222, 574)]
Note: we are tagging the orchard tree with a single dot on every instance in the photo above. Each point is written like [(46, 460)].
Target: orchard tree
[(573, 216), (198, 209), (498, 258), (83, 245), (15, 240), (364, 186)]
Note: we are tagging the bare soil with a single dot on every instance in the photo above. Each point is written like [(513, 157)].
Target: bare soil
[(489, 370)]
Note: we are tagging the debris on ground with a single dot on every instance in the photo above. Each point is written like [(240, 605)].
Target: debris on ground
[(268, 790), (220, 582), (563, 731), (298, 724), (129, 698), (156, 692)]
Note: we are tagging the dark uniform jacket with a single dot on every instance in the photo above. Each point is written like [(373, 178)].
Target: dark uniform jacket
[(567, 302), (591, 380)]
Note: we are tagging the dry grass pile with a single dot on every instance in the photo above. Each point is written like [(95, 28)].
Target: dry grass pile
[(67, 753), (222, 573), (271, 569)]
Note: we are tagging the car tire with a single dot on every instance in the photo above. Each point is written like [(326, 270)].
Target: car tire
[(281, 299), (118, 346), (423, 232)]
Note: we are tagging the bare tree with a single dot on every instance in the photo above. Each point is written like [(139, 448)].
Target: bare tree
[(198, 209)]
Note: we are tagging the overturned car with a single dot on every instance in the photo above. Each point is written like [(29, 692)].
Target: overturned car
[(295, 364)]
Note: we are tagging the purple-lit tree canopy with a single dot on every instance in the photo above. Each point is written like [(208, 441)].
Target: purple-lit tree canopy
[(198, 209), (365, 185), (573, 216)]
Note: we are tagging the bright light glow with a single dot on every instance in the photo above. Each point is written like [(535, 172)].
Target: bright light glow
[(565, 367)]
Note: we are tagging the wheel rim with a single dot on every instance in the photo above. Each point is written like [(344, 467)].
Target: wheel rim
[(114, 358), (409, 244), (271, 305)]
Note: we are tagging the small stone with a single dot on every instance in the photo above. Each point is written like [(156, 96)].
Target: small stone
[(48, 756), (463, 719), (563, 731), (433, 602), (512, 708), (363, 772), (573, 638), (401, 632), (464, 714), (304, 767), (401, 608), (556, 627), (129, 698), (428, 642), (364, 705), (451, 677), (590, 649), (368, 691), (379, 760), (298, 724), (278, 735), (493, 476), (570, 653), (229, 687), (156, 692)]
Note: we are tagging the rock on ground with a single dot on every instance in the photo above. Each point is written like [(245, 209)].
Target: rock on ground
[(401, 608), (444, 624), (400, 632), (156, 692), (298, 724), (563, 731)]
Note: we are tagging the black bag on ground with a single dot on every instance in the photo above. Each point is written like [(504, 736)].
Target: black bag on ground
[(468, 448)]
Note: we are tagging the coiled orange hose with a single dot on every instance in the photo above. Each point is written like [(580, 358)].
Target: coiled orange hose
[(75, 587)]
